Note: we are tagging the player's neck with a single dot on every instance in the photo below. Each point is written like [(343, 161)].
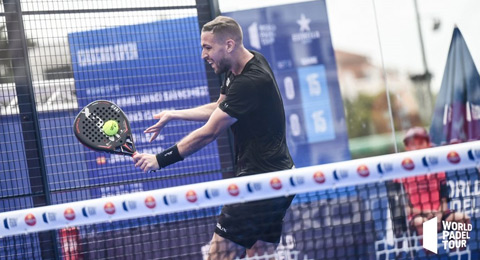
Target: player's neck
[(241, 60)]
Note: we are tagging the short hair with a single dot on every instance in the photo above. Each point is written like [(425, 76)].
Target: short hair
[(225, 27)]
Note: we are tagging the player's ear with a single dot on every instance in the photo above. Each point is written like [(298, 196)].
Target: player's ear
[(230, 45)]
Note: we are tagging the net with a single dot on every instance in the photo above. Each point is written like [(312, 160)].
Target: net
[(349, 210)]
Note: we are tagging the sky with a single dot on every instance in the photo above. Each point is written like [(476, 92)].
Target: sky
[(354, 23)]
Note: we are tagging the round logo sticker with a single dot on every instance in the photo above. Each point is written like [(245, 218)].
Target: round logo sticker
[(109, 208), (276, 183), (69, 214), (191, 196), (150, 202), (408, 164), (319, 177), (233, 190), (30, 220), (453, 157), (363, 171)]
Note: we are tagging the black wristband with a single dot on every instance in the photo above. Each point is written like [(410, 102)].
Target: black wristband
[(168, 156)]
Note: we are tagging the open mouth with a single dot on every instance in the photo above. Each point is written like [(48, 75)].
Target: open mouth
[(211, 64)]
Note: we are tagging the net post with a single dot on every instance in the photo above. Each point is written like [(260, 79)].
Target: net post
[(18, 48)]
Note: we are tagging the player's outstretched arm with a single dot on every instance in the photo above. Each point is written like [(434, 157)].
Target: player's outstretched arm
[(196, 140), (218, 122), (200, 113)]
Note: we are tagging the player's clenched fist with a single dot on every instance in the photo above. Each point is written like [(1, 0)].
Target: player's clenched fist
[(146, 162)]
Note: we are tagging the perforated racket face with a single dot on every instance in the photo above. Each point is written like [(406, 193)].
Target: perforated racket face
[(88, 128)]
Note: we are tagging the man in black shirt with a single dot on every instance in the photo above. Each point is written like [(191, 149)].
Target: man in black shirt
[(250, 103)]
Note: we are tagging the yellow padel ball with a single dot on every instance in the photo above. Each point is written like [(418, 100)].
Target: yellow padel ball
[(110, 127)]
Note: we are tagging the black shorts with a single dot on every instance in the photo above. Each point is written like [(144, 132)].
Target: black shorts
[(248, 222)]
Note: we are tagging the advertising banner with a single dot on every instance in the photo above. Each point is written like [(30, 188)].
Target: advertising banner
[(144, 69)]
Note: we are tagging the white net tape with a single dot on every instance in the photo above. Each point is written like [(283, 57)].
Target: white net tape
[(250, 188)]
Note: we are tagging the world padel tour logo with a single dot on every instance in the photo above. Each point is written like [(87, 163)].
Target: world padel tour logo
[(212, 193), (363, 171), (49, 217), (150, 202), (454, 235), (109, 208), (170, 199), (191, 196), (233, 190), (69, 214), (254, 186), (30, 220), (429, 161), (89, 211), (319, 177), (10, 223), (261, 35), (453, 157), (384, 167), (340, 174), (408, 164), (276, 183), (474, 154), (129, 205)]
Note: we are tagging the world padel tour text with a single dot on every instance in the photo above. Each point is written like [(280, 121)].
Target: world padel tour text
[(455, 235)]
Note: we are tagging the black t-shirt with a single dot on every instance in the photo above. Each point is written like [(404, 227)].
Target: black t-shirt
[(253, 98)]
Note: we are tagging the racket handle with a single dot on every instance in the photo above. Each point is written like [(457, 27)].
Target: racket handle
[(148, 171)]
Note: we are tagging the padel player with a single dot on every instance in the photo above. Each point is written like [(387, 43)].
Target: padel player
[(250, 103)]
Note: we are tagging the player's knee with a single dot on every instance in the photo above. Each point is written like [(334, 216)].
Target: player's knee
[(262, 248), (458, 217), (222, 248), (418, 221)]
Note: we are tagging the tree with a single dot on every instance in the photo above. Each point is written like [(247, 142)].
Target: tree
[(358, 113)]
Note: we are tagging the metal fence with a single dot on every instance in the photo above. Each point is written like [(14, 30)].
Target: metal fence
[(41, 161)]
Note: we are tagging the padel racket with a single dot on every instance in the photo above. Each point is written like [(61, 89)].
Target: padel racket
[(103, 126)]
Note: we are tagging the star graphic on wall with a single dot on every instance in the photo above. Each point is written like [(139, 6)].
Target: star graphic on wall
[(304, 23)]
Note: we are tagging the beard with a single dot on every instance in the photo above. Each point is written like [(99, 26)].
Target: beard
[(222, 66)]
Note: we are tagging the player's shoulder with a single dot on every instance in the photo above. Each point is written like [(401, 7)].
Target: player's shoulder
[(258, 69), (258, 63)]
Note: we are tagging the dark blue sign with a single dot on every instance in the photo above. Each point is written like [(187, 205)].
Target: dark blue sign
[(296, 41), (144, 69)]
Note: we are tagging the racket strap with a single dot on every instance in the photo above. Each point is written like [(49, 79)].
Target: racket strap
[(169, 156)]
